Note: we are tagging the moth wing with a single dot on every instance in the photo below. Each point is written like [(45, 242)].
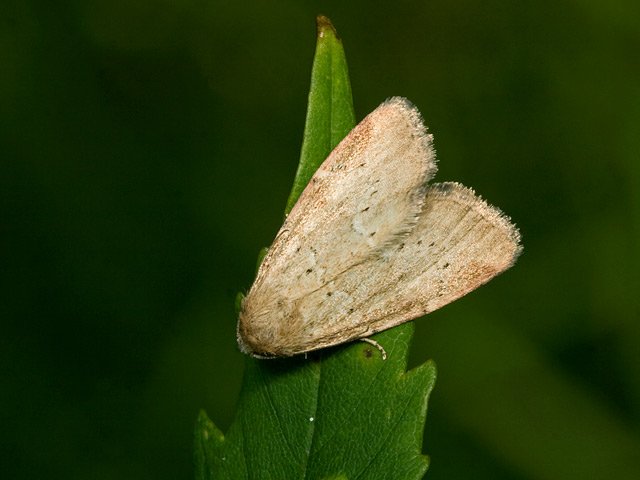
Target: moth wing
[(459, 243), (366, 196)]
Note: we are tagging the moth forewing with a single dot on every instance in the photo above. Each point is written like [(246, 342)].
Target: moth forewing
[(459, 243), (368, 246), (366, 194)]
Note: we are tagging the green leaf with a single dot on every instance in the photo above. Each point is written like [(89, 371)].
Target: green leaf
[(340, 413), (330, 113), (345, 413)]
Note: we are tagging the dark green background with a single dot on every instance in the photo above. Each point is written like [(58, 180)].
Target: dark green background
[(147, 149)]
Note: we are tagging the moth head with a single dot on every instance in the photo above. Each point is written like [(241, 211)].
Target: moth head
[(265, 331)]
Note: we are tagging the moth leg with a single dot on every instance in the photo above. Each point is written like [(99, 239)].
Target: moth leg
[(371, 341)]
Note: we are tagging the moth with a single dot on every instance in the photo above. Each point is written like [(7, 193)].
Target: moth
[(370, 244)]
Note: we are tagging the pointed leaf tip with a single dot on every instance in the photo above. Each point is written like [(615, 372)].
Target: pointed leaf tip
[(330, 115), (325, 26)]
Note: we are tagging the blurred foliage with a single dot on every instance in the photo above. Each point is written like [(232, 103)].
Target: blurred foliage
[(147, 150)]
